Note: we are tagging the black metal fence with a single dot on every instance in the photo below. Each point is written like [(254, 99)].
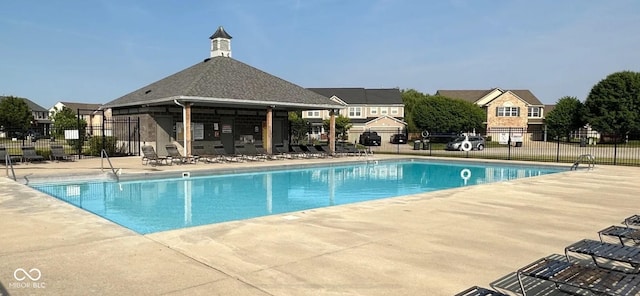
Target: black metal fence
[(529, 146), (118, 137)]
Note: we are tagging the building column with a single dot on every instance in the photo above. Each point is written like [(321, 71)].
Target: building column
[(269, 138), (332, 132), (187, 129)]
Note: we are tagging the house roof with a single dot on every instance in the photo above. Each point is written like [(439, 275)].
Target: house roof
[(220, 33), (85, 108), (225, 81), (477, 94), (549, 108), (363, 96), (32, 106)]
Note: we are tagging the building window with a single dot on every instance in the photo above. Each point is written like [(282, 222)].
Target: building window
[(384, 111), (508, 111), (313, 113), (355, 111), (395, 111), (373, 111), (534, 112)]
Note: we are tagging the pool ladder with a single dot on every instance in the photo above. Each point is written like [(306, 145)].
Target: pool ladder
[(103, 155), (587, 158), (9, 164)]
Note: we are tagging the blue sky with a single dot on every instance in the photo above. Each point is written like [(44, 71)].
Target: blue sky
[(98, 50)]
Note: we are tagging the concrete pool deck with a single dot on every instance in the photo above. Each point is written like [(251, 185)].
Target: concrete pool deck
[(437, 243)]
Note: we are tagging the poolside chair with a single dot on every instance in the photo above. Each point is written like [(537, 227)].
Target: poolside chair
[(243, 153), (29, 154), (479, 291), (201, 154), (632, 221), (607, 252), (149, 156), (298, 152), (624, 234), (174, 154), (261, 152), (57, 153), (224, 156), (4, 156), (280, 150), (565, 274), (315, 152)]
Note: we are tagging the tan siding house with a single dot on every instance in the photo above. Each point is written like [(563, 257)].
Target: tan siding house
[(518, 112)]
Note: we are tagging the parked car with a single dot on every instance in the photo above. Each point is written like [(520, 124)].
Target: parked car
[(477, 143), (370, 138), (398, 139)]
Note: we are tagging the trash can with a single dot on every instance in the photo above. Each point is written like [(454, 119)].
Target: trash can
[(416, 145), (425, 144), (518, 144), (583, 142)]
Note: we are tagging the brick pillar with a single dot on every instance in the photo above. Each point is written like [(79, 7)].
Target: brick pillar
[(332, 132), (268, 143), (187, 127)]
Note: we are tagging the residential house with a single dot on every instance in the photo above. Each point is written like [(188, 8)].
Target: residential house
[(380, 110), (518, 112), (41, 122), (92, 114)]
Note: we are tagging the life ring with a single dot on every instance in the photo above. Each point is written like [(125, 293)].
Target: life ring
[(465, 174), (425, 134), (466, 145)]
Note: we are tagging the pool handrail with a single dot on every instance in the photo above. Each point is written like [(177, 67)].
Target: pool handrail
[(103, 155)]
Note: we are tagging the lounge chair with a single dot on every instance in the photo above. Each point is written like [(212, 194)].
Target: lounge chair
[(261, 152), (298, 152), (479, 291), (57, 153), (174, 154), (624, 234), (149, 156), (224, 156), (596, 280), (4, 155), (280, 150), (601, 251), (315, 152), (29, 154), (632, 221), (243, 153), (200, 152)]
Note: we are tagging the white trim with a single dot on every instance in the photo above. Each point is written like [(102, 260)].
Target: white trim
[(230, 102)]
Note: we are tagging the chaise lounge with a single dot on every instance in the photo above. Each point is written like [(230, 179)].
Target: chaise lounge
[(29, 154), (151, 157)]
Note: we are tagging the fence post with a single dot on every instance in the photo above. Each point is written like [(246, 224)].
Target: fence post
[(509, 146), (129, 135), (615, 150), (558, 150)]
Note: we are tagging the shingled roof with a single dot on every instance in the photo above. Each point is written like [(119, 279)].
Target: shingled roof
[(476, 94), (226, 81), (32, 106), (359, 95), (85, 108)]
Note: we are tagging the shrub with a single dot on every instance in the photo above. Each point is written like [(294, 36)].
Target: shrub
[(95, 145)]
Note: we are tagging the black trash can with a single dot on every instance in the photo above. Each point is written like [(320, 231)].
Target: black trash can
[(425, 144), (416, 145), (518, 144)]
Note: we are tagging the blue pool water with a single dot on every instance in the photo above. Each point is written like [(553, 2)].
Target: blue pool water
[(148, 206)]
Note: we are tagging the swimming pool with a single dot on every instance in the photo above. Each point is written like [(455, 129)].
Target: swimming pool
[(148, 206)]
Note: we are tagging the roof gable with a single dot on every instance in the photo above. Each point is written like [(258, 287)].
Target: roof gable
[(33, 107), (224, 80), (385, 118), (483, 97), (363, 96)]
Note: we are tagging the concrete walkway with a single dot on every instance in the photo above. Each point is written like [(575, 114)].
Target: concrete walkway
[(435, 243)]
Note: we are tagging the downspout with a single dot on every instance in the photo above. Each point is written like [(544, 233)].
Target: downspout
[(184, 125)]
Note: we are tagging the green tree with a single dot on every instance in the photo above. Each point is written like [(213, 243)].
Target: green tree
[(298, 125), (66, 119), (15, 114), (613, 104), (411, 98), (343, 125), (441, 114), (567, 116)]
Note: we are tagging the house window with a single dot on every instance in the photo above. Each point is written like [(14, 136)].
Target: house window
[(313, 113), (534, 112), (384, 111), (355, 111), (395, 111), (508, 111), (373, 111)]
